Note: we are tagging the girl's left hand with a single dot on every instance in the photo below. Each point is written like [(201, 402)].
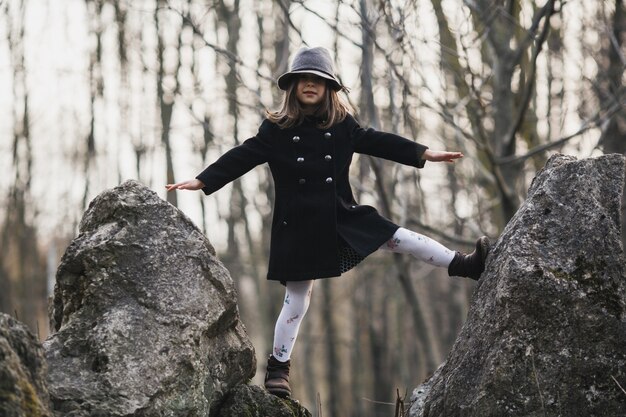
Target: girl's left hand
[(441, 156)]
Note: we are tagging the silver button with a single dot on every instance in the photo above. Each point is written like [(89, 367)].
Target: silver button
[(301, 181), (352, 207), (300, 159), (328, 135), (329, 180), (296, 139), (328, 157), (284, 223)]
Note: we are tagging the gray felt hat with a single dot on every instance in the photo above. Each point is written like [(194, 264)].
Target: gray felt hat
[(311, 61)]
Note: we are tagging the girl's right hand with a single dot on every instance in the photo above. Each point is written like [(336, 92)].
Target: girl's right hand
[(194, 184), (441, 156)]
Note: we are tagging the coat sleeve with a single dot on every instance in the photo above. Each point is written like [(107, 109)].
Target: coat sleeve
[(385, 145), (237, 161)]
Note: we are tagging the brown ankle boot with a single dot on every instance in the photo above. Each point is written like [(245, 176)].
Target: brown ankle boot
[(277, 377), (472, 265)]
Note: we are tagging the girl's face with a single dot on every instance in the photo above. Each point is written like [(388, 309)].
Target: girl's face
[(310, 91)]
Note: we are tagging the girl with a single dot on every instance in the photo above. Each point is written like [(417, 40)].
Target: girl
[(318, 229)]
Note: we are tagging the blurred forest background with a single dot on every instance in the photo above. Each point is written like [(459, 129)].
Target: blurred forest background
[(98, 91)]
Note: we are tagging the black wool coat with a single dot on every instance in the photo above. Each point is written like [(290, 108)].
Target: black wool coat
[(315, 213)]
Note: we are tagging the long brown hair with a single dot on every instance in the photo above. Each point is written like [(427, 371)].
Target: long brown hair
[(333, 109)]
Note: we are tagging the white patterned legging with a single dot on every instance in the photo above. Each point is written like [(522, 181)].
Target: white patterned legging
[(298, 293)]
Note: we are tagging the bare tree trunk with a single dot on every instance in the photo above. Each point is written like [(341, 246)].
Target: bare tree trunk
[(22, 267), (140, 147), (166, 98), (613, 139), (369, 114), (125, 90), (311, 386), (96, 82), (6, 284), (236, 217), (331, 359), (367, 104), (359, 335), (208, 138)]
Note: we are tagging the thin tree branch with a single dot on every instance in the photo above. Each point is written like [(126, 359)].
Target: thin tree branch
[(530, 85), (545, 12), (615, 108), (436, 232), (285, 9), (187, 19)]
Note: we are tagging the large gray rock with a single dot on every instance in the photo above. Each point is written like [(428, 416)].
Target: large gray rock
[(546, 330), (146, 316), (23, 391)]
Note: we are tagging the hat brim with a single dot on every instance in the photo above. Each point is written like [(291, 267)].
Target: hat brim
[(285, 79)]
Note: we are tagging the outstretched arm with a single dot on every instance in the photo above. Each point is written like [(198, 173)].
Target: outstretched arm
[(194, 184), (394, 147), (441, 156), (231, 165)]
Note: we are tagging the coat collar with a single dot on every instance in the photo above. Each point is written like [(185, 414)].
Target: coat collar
[(313, 120)]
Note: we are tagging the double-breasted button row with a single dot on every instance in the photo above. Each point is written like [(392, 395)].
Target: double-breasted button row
[(327, 135), (326, 157), (302, 181)]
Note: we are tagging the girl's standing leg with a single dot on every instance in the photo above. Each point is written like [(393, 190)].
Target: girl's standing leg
[(295, 306)]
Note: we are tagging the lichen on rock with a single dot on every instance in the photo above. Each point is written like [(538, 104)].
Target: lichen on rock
[(23, 390)]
